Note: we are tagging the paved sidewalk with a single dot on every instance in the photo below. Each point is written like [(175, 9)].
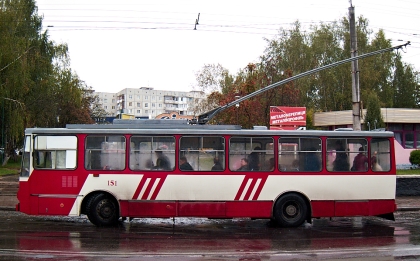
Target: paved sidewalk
[(408, 203), (9, 186)]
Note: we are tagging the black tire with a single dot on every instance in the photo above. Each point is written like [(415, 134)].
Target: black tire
[(102, 210), (290, 210)]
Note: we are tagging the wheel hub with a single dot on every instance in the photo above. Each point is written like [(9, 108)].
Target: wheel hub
[(105, 209), (291, 210)]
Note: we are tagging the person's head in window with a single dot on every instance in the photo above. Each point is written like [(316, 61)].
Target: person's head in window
[(244, 165), (217, 165), (339, 146), (254, 159), (162, 161), (183, 164), (270, 164)]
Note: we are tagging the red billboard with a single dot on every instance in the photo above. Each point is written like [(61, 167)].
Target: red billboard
[(287, 118)]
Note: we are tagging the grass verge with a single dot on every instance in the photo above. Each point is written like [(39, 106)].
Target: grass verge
[(12, 167), (408, 171)]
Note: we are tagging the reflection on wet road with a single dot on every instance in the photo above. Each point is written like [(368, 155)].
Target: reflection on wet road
[(49, 238)]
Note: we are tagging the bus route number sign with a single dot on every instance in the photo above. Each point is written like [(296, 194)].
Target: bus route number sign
[(112, 183)]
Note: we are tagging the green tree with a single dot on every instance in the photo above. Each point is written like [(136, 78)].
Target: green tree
[(329, 89), (376, 71), (20, 54), (404, 84), (37, 86), (373, 118), (287, 54), (415, 157)]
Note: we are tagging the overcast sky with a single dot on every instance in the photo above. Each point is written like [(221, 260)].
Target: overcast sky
[(152, 43)]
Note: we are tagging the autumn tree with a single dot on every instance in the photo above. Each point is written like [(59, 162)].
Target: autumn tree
[(213, 80), (296, 50)]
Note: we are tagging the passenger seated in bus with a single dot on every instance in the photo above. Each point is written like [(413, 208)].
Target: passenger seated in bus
[(360, 161), (375, 164), (149, 164), (295, 165), (183, 164), (162, 161), (244, 165), (312, 162), (341, 162), (217, 166), (254, 159), (269, 164)]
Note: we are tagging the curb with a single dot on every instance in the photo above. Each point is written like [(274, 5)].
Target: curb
[(401, 209), (7, 209)]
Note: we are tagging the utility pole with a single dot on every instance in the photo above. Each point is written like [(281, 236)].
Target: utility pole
[(355, 71)]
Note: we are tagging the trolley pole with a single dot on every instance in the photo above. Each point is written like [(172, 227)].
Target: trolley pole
[(354, 71)]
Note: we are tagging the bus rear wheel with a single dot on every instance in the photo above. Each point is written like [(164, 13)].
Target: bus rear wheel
[(290, 210), (102, 210)]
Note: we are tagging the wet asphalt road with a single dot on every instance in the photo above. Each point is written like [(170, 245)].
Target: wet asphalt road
[(25, 237)]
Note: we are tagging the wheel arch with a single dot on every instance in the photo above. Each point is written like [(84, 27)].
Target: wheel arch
[(84, 205), (300, 193)]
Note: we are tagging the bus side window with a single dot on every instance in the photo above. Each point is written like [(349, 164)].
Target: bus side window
[(105, 152), (203, 153), (311, 152), (152, 153), (55, 152), (300, 154), (250, 153), (43, 159), (288, 154), (337, 155), (358, 154), (380, 154)]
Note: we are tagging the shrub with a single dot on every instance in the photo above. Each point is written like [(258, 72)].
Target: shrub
[(415, 157)]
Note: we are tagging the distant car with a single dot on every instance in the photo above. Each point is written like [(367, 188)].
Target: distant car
[(19, 151)]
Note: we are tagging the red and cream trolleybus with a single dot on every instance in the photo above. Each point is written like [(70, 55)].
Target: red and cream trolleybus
[(162, 169)]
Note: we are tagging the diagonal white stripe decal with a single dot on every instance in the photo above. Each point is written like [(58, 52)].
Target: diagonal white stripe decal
[(144, 188), (257, 184), (248, 183), (156, 182)]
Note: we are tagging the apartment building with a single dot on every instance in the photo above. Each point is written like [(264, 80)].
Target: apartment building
[(146, 102)]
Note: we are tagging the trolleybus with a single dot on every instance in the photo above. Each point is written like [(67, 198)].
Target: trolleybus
[(131, 169)]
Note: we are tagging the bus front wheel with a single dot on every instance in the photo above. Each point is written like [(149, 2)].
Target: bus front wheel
[(102, 210), (290, 210)]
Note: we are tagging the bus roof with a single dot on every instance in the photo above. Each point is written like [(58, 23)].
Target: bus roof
[(172, 127)]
